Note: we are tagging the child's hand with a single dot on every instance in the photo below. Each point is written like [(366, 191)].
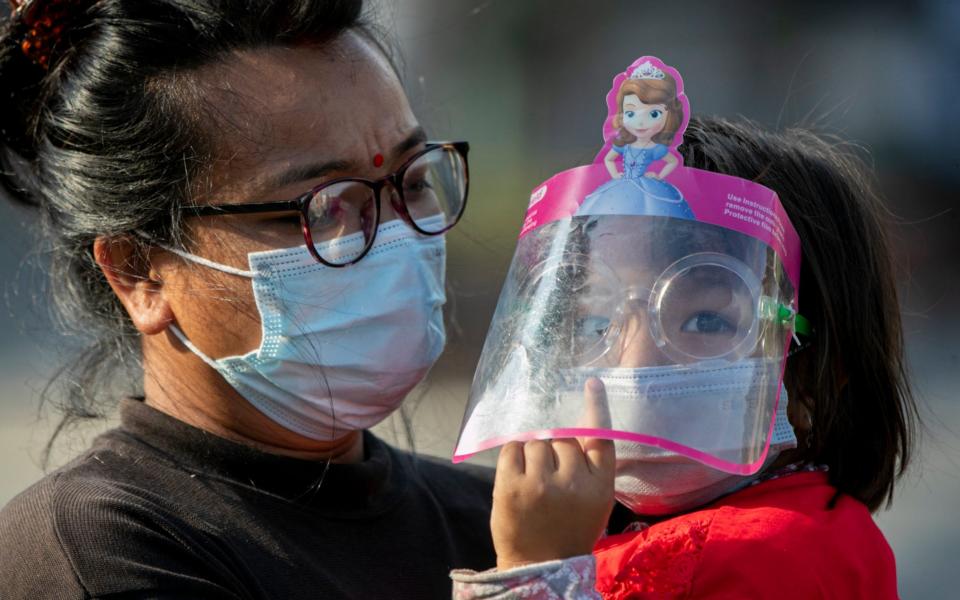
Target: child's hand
[(552, 498)]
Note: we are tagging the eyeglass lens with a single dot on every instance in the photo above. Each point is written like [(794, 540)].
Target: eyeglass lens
[(434, 187), (704, 312), (342, 217)]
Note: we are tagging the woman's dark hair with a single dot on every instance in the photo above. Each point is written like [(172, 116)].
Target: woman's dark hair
[(852, 378), (111, 138)]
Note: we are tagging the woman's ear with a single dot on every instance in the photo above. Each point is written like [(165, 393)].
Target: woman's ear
[(127, 268)]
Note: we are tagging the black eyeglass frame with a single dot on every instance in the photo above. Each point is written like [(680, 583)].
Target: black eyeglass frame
[(301, 204)]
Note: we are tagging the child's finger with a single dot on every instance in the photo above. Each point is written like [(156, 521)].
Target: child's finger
[(510, 461), (569, 456), (596, 412), (539, 457), (600, 453)]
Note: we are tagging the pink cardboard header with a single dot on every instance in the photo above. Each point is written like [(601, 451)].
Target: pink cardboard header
[(639, 171), (737, 204), (645, 69)]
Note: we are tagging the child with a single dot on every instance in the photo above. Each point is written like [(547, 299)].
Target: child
[(800, 525)]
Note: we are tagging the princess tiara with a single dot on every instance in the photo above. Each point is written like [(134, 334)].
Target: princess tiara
[(646, 71)]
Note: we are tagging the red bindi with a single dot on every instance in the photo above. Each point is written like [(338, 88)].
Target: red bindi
[(378, 160)]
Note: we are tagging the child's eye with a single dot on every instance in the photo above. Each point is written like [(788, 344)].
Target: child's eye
[(656, 113), (590, 330), (629, 114), (707, 323)]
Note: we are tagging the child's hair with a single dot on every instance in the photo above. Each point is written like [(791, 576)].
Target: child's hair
[(852, 378), (650, 91)]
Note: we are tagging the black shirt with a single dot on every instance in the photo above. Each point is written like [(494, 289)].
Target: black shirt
[(159, 509)]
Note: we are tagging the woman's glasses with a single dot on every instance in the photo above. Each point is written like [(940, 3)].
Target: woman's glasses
[(429, 192)]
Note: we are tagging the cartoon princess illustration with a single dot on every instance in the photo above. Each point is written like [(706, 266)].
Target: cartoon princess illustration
[(649, 115)]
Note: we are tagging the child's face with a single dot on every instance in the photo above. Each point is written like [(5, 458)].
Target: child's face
[(705, 311), (643, 120)]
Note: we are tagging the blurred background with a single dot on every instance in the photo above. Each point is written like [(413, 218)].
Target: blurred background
[(525, 82)]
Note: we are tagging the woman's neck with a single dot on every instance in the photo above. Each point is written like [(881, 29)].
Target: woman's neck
[(184, 387)]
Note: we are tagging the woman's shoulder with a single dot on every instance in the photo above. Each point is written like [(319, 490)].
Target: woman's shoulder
[(31, 558), (96, 525), (458, 498), (464, 484), (77, 490), (65, 494), (46, 526)]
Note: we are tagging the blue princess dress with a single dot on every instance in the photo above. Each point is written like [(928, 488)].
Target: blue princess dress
[(635, 194)]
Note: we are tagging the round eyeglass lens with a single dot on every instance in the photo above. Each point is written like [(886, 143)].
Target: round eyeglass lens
[(706, 311), (574, 299), (435, 189), (342, 218)]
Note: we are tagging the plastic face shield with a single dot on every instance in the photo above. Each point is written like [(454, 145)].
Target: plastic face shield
[(680, 294)]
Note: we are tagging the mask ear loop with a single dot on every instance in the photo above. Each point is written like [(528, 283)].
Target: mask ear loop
[(191, 347), (197, 259)]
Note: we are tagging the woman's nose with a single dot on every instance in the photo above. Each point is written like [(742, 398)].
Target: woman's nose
[(389, 200)]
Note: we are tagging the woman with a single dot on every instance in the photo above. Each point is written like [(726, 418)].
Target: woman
[(239, 199)]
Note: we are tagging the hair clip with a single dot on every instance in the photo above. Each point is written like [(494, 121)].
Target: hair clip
[(45, 20)]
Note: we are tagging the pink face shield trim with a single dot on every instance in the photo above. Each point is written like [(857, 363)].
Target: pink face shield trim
[(729, 202), (611, 434)]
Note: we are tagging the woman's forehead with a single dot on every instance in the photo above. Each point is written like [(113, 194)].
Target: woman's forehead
[(271, 107)]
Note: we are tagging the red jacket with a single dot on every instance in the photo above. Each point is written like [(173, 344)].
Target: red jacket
[(776, 539)]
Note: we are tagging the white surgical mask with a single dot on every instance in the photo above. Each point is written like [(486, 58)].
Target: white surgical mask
[(340, 347), (653, 481), (670, 483)]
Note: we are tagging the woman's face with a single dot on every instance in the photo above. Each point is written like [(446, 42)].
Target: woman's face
[(643, 120), (283, 120)]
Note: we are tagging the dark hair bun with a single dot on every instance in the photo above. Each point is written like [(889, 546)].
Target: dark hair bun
[(22, 82)]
